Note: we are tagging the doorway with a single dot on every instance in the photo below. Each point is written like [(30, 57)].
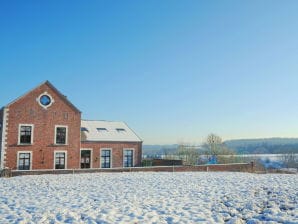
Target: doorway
[(85, 159)]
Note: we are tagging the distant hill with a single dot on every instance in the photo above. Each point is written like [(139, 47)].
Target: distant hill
[(159, 149), (267, 145), (240, 146)]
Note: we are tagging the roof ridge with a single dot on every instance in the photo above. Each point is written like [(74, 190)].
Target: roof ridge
[(101, 120), (23, 95), (63, 97)]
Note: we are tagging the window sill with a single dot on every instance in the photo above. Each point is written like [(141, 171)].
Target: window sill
[(60, 144), (24, 144)]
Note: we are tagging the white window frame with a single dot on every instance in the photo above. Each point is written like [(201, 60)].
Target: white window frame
[(111, 157), (133, 157), (31, 159), (32, 134), (47, 94), (66, 134), (57, 151), (91, 157)]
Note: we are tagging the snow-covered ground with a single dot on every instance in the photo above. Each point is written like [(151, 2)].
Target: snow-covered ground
[(192, 197)]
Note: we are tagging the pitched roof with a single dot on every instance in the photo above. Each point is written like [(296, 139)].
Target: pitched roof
[(113, 131), (63, 97)]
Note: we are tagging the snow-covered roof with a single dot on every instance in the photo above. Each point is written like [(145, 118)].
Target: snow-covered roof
[(114, 131)]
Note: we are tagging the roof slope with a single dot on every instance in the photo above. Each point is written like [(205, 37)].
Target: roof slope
[(50, 85), (113, 131)]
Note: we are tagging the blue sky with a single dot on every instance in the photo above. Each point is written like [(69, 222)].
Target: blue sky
[(173, 70)]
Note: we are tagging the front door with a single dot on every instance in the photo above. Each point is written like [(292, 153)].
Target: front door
[(85, 159)]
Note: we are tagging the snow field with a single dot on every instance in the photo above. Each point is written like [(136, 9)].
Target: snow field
[(148, 197)]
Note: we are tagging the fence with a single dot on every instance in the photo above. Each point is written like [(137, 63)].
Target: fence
[(234, 167)]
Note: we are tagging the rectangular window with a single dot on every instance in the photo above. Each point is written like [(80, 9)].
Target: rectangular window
[(60, 160), (25, 134), (24, 161), (61, 135), (128, 158), (105, 158)]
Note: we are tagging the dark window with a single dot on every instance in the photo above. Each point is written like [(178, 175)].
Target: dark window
[(60, 135), (121, 130), (84, 129), (101, 130), (60, 160), (24, 161), (25, 135), (85, 158), (128, 158), (106, 158)]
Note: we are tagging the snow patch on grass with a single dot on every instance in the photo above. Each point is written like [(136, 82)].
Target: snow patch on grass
[(190, 197)]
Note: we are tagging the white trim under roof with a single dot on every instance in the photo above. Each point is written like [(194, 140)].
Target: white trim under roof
[(111, 134)]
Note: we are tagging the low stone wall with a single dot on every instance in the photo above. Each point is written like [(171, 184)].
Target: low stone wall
[(236, 167)]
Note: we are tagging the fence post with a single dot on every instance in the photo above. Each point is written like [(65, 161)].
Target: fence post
[(252, 166)]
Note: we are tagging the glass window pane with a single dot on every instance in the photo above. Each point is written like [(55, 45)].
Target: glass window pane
[(60, 135), (105, 158), (25, 134), (24, 161), (128, 158), (60, 160)]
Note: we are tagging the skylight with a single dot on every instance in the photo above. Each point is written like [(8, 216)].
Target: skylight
[(84, 129), (101, 130)]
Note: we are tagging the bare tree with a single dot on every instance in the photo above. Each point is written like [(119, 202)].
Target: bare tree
[(290, 160), (216, 149), (214, 144)]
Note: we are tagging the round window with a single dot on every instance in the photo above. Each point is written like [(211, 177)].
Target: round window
[(45, 100)]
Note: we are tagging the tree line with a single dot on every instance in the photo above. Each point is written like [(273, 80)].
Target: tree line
[(215, 151)]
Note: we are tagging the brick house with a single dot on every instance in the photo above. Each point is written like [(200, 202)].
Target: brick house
[(43, 130)]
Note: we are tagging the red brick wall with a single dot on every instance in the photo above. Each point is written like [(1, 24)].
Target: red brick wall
[(28, 111), (117, 152)]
